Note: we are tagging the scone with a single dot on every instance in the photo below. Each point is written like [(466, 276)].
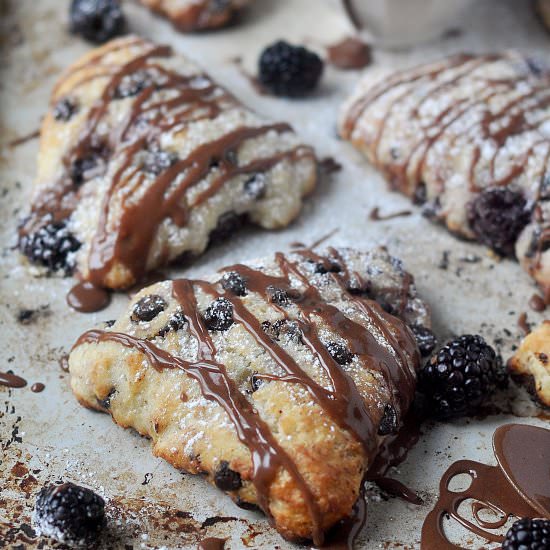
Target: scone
[(277, 380), (531, 363), (468, 137), (144, 159), (197, 15)]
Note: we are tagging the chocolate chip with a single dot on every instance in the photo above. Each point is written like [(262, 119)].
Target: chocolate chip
[(256, 186), (388, 424), (283, 328), (64, 109), (339, 353), (227, 479), (109, 323), (148, 307), (106, 403), (233, 282), (425, 339), (227, 224), (219, 315), (133, 84), (157, 161), (176, 322)]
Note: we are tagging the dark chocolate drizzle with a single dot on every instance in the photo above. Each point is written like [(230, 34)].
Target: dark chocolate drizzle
[(519, 486), (125, 239), (11, 380), (343, 402)]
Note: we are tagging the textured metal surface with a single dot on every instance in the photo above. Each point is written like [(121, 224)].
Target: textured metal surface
[(48, 436)]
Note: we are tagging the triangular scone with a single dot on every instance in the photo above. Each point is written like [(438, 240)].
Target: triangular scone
[(278, 380), (531, 363), (468, 137), (197, 15), (144, 159)]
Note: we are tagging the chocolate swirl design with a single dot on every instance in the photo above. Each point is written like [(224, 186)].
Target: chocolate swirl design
[(145, 168), (468, 138), (382, 346), (519, 486)]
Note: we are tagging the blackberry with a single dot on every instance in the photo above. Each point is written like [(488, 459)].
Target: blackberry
[(459, 377), (69, 513), (51, 246), (156, 162), (148, 307), (64, 109), (227, 224), (132, 84), (219, 315), (96, 20), (288, 70), (425, 339), (227, 479), (528, 534), (278, 296), (389, 422), (339, 353), (497, 217), (175, 323), (233, 282), (255, 186)]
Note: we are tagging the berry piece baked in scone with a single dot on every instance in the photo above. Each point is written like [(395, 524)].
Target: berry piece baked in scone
[(277, 380), (531, 363), (197, 15), (145, 159), (469, 138)]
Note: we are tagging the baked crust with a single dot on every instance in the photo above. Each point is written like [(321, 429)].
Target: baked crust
[(447, 132), (197, 15), (145, 159), (284, 378), (531, 363)]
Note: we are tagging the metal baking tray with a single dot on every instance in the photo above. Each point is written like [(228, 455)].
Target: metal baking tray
[(47, 436)]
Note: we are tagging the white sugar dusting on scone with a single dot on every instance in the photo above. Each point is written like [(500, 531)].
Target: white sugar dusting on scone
[(467, 137), (278, 380), (144, 160)]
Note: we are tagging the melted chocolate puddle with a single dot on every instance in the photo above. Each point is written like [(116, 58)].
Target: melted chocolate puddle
[(38, 387), (537, 303), (11, 380), (523, 324), (519, 486), (87, 298), (350, 53), (211, 543)]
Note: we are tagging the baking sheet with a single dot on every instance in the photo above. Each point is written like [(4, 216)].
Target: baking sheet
[(47, 436)]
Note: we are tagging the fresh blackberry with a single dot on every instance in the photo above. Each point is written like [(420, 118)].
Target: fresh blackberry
[(528, 534), (459, 377), (288, 70), (497, 217), (69, 513), (51, 246), (64, 109), (96, 20), (339, 353)]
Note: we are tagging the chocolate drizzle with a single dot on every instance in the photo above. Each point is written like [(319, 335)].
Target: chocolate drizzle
[(376, 216), (11, 380), (211, 543), (125, 232), (519, 486), (395, 359)]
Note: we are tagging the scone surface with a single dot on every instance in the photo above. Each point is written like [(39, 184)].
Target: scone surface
[(144, 160), (277, 380)]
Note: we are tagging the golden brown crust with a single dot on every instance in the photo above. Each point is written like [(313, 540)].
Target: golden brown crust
[(197, 435), (197, 15), (531, 363)]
